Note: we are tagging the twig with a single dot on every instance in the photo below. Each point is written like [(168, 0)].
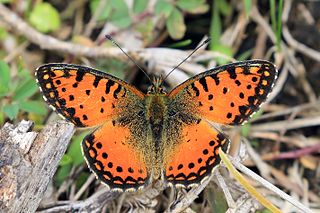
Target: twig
[(84, 187), (48, 42), (91, 204), (16, 51), (293, 140), (270, 186), (278, 113), (225, 190), (189, 197), (295, 124), (291, 41), (298, 153), (261, 165)]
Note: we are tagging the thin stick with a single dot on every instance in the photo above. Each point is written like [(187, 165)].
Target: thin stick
[(245, 184), (269, 186)]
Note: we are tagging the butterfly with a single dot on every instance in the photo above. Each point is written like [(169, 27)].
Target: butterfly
[(138, 137)]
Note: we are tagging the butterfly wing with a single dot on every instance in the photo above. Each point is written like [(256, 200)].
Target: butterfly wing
[(112, 153), (196, 154), (87, 97), (227, 95)]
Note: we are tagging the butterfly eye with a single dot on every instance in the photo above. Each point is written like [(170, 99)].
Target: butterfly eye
[(151, 89)]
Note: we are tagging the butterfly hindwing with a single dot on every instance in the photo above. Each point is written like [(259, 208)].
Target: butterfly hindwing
[(228, 94), (196, 154), (114, 156), (85, 96)]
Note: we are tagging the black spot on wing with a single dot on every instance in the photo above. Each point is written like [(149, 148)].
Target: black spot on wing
[(195, 89), (246, 70), (215, 78), (232, 72), (96, 81), (71, 111), (79, 76), (116, 92), (203, 82), (109, 84)]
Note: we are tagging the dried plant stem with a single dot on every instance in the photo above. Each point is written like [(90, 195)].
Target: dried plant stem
[(269, 186)]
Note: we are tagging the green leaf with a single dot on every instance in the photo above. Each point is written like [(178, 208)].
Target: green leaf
[(264, 211), (44, 17), (113, 66), (65, 160), (276, 21), (175, 24), (163, 8), (139, 5), (3, 33), (216, 200), (2, 117), (215, 27), (5, 1), (245, 129), (247, 7), (120, 14), (180, 43), (81, 179), (74, 150), (11, 110), (36, 107), (146, 28), (224, 7), (103, 16), (27, 89), (62, 173), (226, 50), (193, 6), (4, 77), (245, 55)]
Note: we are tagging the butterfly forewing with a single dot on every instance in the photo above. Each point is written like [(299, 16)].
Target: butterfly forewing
[(84, 96), (228, 94)]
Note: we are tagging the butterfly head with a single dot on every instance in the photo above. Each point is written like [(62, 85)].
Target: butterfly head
[(157, 87)]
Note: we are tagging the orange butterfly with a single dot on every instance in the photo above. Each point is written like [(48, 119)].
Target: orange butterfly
[(143, 137)]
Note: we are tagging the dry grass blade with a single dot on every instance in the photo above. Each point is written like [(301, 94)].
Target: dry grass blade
[(270, 186), (252, 191)]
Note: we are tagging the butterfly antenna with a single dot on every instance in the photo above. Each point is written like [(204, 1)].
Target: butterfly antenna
[(115, 43), (197, 48)]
